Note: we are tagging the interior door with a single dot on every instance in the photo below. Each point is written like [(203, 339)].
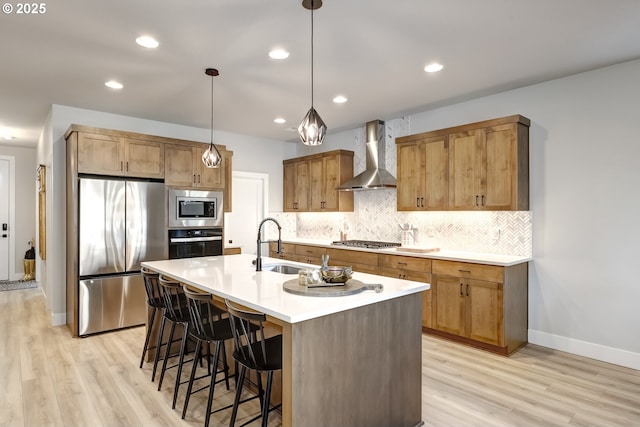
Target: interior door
[(241, 225), (4, 219)]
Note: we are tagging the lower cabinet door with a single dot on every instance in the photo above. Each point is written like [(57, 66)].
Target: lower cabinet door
[(484, 311), (448, 304)]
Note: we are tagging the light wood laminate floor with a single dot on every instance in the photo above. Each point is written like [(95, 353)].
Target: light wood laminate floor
[(48, 378)]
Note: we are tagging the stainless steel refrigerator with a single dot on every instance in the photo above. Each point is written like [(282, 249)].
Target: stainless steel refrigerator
[(122, 223)]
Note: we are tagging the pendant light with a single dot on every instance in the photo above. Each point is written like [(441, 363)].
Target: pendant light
[(312, 129), (211, 157)]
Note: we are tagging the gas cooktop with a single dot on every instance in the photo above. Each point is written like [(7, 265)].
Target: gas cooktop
[(370, 244)]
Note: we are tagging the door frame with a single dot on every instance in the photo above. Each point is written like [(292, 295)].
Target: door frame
[(13, 275)]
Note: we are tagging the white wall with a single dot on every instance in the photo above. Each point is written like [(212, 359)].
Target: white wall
[(250, 155), (25, 204)]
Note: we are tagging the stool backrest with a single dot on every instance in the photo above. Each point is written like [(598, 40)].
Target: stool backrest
[(201, 312), (173, 297), (248, 339), (152, 287)]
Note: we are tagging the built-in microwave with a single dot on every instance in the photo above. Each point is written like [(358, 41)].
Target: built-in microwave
[(194, 208)]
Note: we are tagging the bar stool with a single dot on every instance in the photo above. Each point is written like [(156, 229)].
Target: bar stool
[(254, 351), (155, 301), (176, 313), (207, 327)]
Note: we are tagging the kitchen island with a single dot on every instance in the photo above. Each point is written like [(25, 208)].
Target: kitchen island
[(347, 361)]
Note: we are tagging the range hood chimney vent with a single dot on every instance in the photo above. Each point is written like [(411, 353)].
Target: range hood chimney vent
[(374, 177)]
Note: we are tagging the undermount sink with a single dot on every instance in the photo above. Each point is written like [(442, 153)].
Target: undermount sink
[(282, 268)]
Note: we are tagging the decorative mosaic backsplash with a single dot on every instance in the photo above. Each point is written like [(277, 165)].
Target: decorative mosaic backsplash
[(375, 216)]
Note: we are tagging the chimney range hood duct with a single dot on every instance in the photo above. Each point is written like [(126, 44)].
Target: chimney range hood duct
[(374, 177)]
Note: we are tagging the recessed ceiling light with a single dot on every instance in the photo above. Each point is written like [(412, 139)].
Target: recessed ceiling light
[(148, 42), (114, 84), (340, 99), (279, 120), (433, 68), (279, 54)]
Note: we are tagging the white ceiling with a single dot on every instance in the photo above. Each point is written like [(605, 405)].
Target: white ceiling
[(371, 51)]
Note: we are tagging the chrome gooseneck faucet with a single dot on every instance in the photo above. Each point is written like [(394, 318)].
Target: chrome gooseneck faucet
[(259, 249)]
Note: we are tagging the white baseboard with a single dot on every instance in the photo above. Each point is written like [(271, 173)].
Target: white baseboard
[(58, 319), (587, 349)]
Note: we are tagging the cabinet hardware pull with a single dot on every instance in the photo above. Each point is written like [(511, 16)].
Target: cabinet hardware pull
[(402, 263), (476, 200), (461, 293), (127, 166), (483, 200), (198, 178), (120, 165), (417, 202), (422, 202), (467, 290), (194, 178), (464, 271)]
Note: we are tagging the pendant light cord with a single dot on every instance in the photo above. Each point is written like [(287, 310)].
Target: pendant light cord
[(212, 109), (312, 6)]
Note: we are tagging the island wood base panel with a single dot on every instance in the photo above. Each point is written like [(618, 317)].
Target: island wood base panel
[(332, 377)]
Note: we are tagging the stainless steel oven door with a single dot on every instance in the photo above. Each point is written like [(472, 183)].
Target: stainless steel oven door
[(196, 209), (195, 243)]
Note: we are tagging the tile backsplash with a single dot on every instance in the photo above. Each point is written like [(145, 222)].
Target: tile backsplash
[(375, 216)]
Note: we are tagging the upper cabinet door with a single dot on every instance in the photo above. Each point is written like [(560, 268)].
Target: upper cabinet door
[(179, 166), (316, 191), (144, 158), (436, 174), (466, 164), (501, 167), (330, 180), (100, 154), (303, 180), (411, 175)]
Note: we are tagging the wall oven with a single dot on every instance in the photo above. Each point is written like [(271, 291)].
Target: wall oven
[(194, 208), (191, 243)]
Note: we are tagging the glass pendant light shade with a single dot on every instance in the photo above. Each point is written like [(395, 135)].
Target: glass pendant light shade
[(312, 130), (211, 157)]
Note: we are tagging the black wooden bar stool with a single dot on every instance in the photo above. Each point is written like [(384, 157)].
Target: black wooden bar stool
[(176, 313), (155, 301), (207, 327), (254, 351)]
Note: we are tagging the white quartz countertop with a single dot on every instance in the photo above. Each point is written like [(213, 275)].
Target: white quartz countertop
[(234, 277), (474, 257)]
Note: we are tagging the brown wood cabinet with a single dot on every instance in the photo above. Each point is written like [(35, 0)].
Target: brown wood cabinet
[(117, 155), (423, 169), (310, 182), (482, 305), (184, 168), (487, 162)]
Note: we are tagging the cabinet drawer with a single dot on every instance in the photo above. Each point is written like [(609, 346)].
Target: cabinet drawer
[(405, 263), (310, 251), (405, 274), (489, 273), (287, 248), (348, 257)]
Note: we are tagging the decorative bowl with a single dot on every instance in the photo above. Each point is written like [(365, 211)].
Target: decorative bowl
[(336, 274)]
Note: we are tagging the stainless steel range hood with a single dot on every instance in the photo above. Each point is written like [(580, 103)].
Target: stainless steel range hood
[(374, 177)]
